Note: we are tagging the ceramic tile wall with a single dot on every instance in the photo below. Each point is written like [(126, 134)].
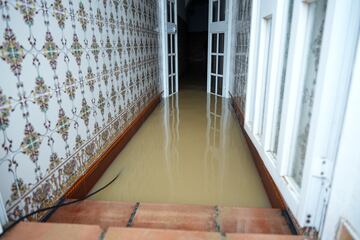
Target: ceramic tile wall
[(73, 75), (239, 59)]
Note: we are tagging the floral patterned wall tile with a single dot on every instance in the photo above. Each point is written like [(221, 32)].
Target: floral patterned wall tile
[(239, 60), (73, 75)]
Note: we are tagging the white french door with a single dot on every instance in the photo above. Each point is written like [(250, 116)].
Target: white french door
[(217, 47), (170, 43), (296, 94)]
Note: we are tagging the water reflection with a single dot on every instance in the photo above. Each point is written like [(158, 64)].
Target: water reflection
[(190, 150), (171, 137)]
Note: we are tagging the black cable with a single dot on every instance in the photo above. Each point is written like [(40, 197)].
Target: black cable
[(59, 205)]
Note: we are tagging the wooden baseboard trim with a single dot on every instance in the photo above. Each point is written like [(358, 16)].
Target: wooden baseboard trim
[(85, 183), (271, 189)]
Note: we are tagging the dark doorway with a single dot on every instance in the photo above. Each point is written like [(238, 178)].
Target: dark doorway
[(193, 45)]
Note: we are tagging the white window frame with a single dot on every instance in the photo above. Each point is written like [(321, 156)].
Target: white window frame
[(308, 203)]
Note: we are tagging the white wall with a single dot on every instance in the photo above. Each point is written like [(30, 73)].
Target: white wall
[(344, 203)]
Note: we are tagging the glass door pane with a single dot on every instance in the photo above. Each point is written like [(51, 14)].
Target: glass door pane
[(218, 27), (265, 70), (222, 10), (215, 10), (172, 46), (313, 56), (275, 134), (218, 10), (217, 63)]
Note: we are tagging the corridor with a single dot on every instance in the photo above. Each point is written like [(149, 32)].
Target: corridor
[(189, 151), (231, 118)]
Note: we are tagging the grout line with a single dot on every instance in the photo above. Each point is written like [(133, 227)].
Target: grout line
[(132, 216), (218, 224), (102, 235), (289, 222)]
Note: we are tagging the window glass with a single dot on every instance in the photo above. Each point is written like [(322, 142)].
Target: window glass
[(168, 11), (219, 85), (220, 65), (215, 11), (221, 42), (222, 10), (213, 64), (313, 57), (214, 43), (212, 84), (275, 141)]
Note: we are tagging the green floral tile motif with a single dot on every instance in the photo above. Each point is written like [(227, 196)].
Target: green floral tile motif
[(82, 16), (77, 49), (101, 103), (27, 9), (70, 85), (59, 13), (51, 50), (85, 111), (95, 48), (99, 20), (31, 142), (12, 52), (4, 111), (90, 79), (63, 124), (41, 93)]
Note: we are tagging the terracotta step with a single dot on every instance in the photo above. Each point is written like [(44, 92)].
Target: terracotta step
[(102, 213), (158, 234), (171, 216), (53, 231), (161, 234), (246, 236), (175, 217), (206, 218), (59, 231), (252, 220)]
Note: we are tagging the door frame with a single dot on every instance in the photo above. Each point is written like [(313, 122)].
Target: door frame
[(333, 79), (165, 28), (221, 27)]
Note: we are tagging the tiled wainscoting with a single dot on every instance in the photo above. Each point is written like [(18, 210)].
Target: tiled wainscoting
[(74, 74)]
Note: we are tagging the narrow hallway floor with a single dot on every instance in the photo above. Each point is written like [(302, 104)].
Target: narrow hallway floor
[(189, 151)]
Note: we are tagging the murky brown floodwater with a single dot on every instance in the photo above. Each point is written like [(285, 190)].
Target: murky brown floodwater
[(190, 150)]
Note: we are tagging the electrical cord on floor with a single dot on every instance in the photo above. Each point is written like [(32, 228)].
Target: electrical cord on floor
[(59, 205)]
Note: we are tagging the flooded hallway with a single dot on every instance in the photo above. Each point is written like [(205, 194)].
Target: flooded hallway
[(192, 152), (179, 119)]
